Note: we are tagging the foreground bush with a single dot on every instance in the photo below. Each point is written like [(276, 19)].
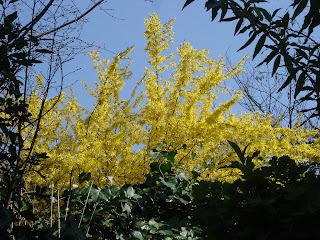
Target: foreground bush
[(276, 200)]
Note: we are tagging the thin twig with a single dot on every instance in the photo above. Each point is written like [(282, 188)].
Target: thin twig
[(30, 25), (70, 22), (59, 213), (85, 204), (34, 196), (94, 208), (69, 198), (51, 208)]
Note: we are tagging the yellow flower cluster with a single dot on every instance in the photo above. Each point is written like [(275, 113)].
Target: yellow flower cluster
[(179, 105)]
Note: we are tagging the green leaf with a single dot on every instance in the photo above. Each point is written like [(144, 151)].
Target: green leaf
[(224, 10), (165, 167), (140, 224), (43, 51), (257, 1), (307, 88), (230, 19), (275, 12), (214, 4), (183, 176), (269, 57), (97, 194), (238, 151), (84, 177), (307, 98), (111, 179), (154, 167), (157, 155), (226, 197), (251, 39), (171, 183), (35, 61), (258, 12), (276, 64), (259, 45), (126, 208), (239, 24), (130, 192), (195, 175), (302, 5), (187, 3), (244, 29), (285, 20), (153, 223), (288, 61), (289, 79), (300, 84), (171, 156), (114, 189), (266, 14), (5, 218), (214, 13), (138, 235), (13, 16), (106, 191), (71, 231), (301, 53)]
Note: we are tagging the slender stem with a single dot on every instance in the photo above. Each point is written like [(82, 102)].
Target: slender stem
[(70, 22), (30, 25), (51, 209), (68, 208), (85, 204), (59, 213), (94, 208)]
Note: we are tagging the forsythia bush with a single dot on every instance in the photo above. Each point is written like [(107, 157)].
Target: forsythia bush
[(179, 105)]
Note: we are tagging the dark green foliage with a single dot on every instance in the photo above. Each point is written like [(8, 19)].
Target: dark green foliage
[(15, 159), (274, 198), (158, 208), (275, 201), (290, 46)]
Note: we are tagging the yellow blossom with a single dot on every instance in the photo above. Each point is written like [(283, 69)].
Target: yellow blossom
[(180, 104)]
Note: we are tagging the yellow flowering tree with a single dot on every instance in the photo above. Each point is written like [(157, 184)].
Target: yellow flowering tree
[(179, 106)]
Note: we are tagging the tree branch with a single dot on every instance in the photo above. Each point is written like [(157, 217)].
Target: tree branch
[(30, 25), (70, 22)]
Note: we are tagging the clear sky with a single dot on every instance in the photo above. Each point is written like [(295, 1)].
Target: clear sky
[(126, 27)]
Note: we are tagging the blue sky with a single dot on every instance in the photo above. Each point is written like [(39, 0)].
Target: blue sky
[(126, 27)]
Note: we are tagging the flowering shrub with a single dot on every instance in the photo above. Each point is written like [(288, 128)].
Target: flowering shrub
[(180, 105)]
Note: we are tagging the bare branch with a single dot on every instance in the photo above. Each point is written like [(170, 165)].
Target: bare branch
[(30, 25), (70, 22)]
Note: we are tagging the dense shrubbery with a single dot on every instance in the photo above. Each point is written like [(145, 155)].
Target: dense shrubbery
[(274, 200)]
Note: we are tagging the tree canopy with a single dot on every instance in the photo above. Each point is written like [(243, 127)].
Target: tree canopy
[(293, 47)]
